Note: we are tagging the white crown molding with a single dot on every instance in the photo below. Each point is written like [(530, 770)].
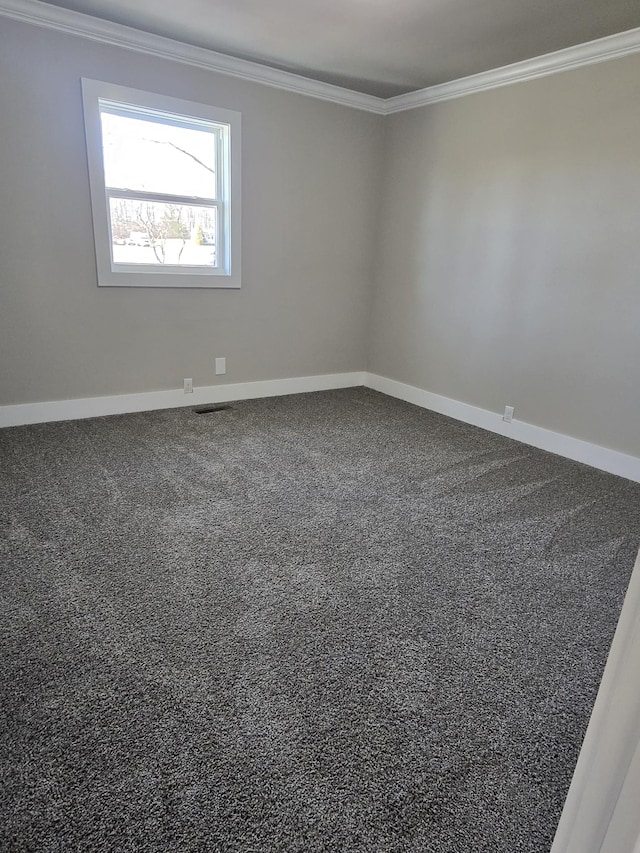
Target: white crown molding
[(78, 24), (595, 455), (147, 401), (589, 53)]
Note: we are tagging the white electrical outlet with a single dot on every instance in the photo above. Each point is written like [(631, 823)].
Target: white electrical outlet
[(221, 366), (188, 386), (508, 414)]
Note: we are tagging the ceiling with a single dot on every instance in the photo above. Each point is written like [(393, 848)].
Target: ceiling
[(379, 47)]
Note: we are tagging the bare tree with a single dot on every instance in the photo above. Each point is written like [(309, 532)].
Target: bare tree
[(183, 151)]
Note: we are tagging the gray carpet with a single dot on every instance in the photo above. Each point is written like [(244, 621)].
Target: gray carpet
[(329, 622)]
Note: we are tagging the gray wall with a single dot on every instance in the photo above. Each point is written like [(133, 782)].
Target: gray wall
[(509, 257), (309, 185), (486, 248)]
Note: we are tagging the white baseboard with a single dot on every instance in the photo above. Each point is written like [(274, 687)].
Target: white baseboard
[(564, 445), (91, 407)]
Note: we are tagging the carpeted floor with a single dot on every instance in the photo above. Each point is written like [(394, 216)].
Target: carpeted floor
[(328, 622)]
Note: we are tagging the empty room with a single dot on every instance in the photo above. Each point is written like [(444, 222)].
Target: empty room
[(320, 426)]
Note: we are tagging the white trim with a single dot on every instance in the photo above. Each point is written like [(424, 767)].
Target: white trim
[(86, 26), (589, 53), (612, 461), (91, 407), (600, 813)]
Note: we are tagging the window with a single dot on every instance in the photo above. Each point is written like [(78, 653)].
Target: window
[(164, 176)]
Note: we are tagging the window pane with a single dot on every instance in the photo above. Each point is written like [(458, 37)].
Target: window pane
[(141, 154), (157, 233)]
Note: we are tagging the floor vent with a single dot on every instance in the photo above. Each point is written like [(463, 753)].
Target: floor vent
[(210, 409)]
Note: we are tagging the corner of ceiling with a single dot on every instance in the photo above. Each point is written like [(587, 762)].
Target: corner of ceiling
[(86, 26)]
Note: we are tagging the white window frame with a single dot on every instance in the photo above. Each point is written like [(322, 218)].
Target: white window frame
[(227, 273)]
